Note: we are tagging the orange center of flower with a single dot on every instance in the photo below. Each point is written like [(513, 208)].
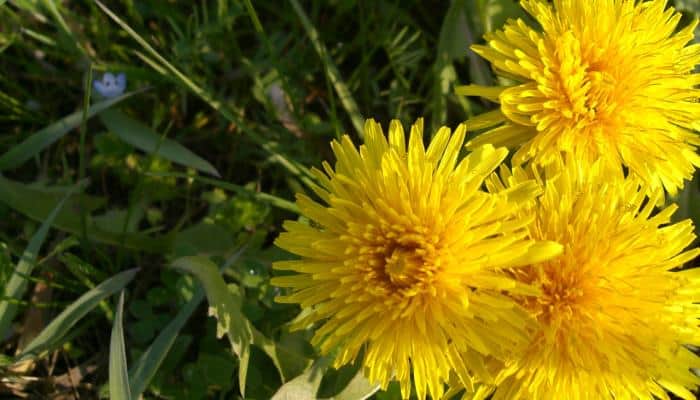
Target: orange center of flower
[(398, 260), (566, 293), (561, 298)]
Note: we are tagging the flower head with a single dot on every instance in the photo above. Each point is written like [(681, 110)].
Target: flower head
[(609, 79), (404, 257), (613, 316), (110, 86)]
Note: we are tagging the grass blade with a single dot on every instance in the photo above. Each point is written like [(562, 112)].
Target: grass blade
[(143, 138), (61, 325), (331, 70), (17, 283), (42, 139), (206, 95), (118, 376)]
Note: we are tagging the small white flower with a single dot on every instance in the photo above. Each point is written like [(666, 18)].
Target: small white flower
[(110, 86)]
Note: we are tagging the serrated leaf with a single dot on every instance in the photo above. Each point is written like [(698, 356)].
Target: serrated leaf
[(144, 138), (225, 307), (118, 375)]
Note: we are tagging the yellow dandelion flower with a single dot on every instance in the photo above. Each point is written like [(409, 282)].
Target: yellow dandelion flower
[(613, 316), (609, 79), (403, 257)]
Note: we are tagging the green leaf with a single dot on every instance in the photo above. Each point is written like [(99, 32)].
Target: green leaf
[(452, 45), (17, 283), (688, 201), (689, 5), (203, 238), (224, 108), (118, 376), (225, 307), (454, 29), (358, 388), (42, 139), (61, 325), (495, 13), (146, 367), (143, 138), (37, 203), (304, 386)]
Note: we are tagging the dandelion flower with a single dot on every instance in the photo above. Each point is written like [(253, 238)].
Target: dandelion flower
[(613, 316), (609, 79), (403, 257)]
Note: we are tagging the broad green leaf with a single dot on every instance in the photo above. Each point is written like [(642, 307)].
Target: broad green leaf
[(52, 335), (118, 376), (203, 238), (225, 307), (693, 7), (288, 363), (42, 139), (304, 386), (146, 367), (689, 5), (453, 32), (144, 138), (359, 388), (17, 283), (344, 94), (37, 203)]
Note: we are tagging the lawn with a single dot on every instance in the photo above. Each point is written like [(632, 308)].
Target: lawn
[(115, 204)]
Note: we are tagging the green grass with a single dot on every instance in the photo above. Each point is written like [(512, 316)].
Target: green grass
[(228, 105)]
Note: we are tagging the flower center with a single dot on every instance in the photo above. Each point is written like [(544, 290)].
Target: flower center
[(561, 301), (402, 266), (591, 89)]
